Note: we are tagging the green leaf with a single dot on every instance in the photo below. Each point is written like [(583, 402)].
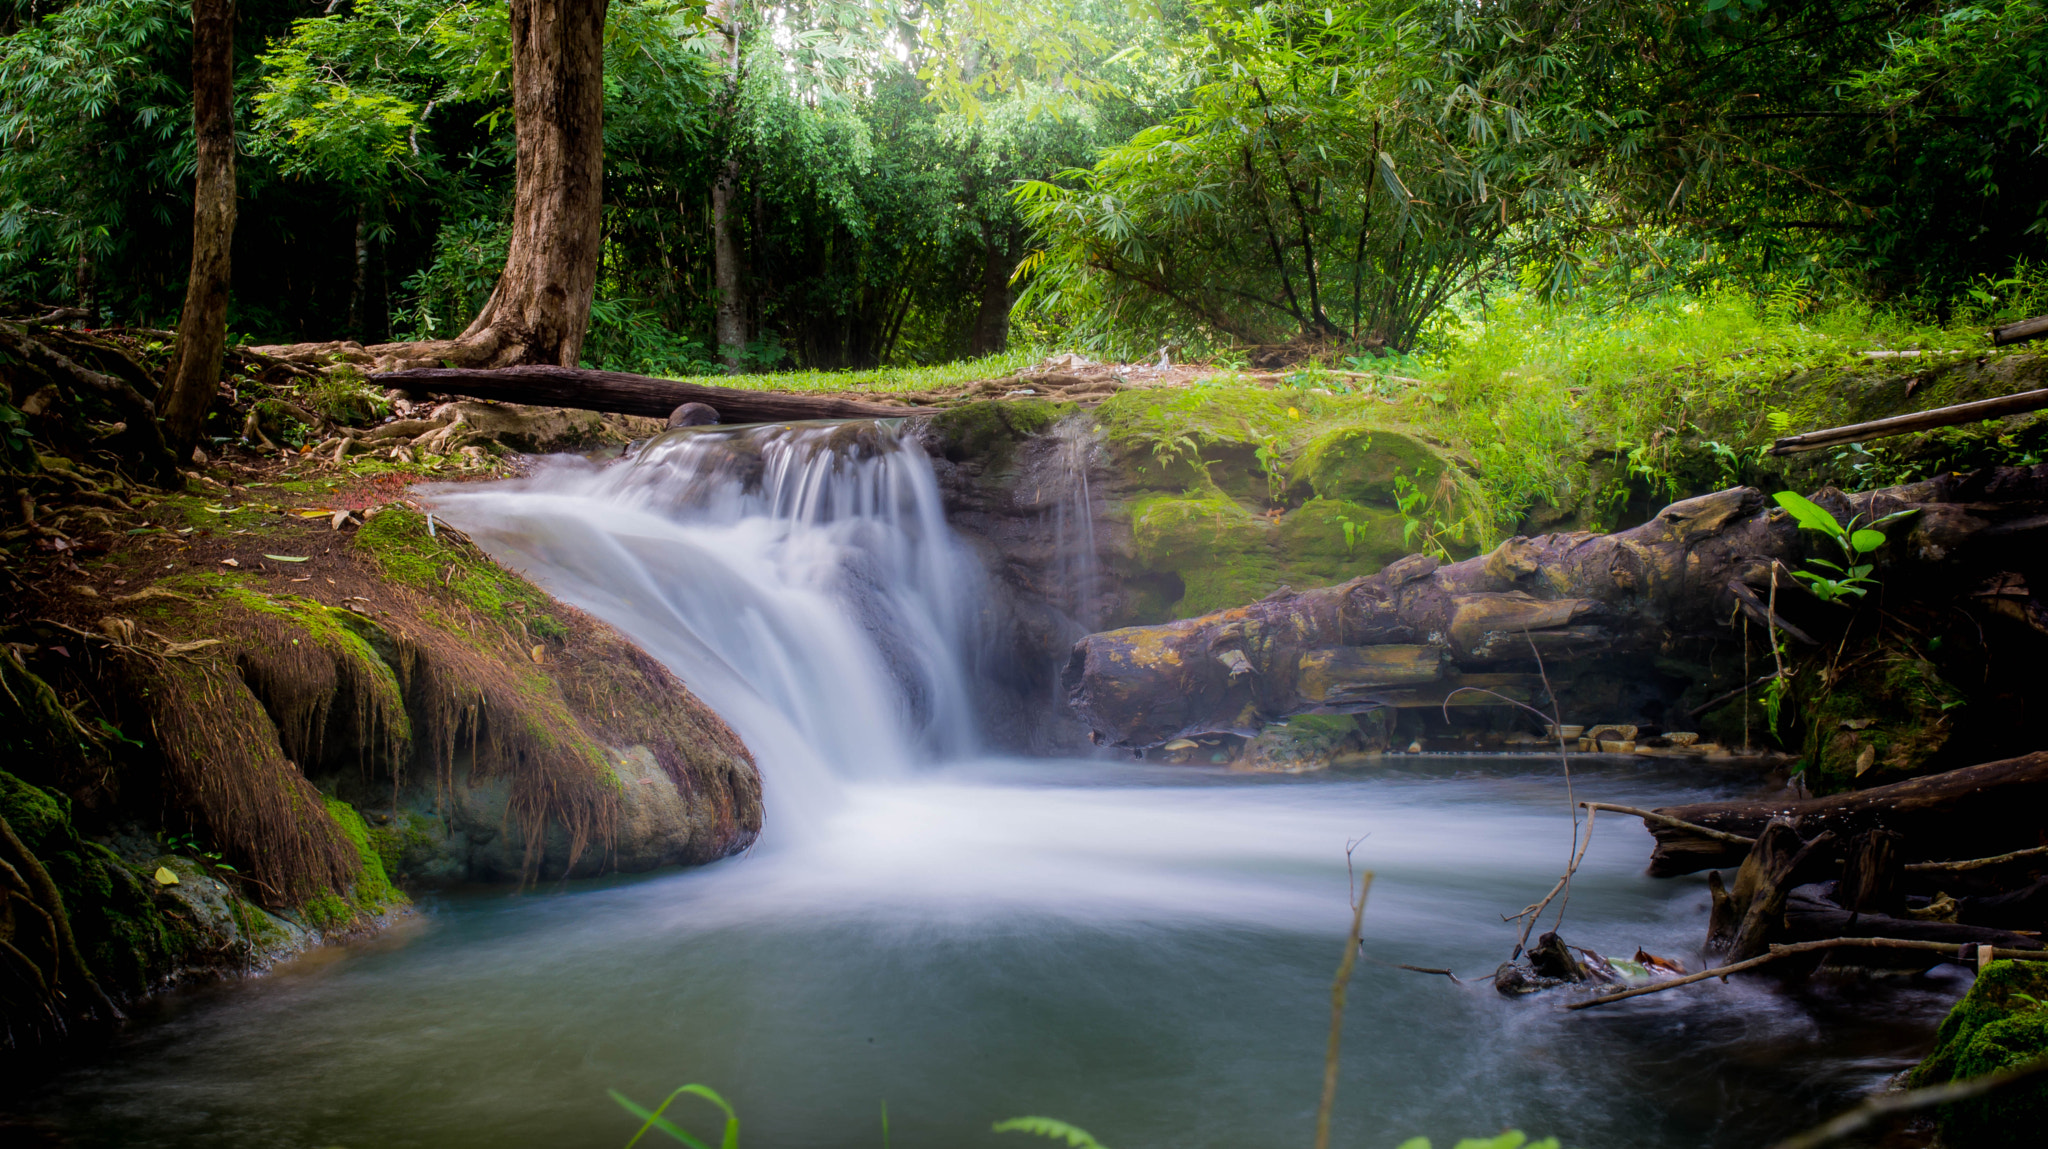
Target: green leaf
[(287, 558), (1049, 1128), (1866, 540), (1809, 516)]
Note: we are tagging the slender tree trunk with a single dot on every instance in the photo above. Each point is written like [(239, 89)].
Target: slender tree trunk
[(359, 288), (194, 371), (540, 309), (725, 267), (992, 324)]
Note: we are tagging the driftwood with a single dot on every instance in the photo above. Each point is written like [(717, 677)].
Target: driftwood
[(1962, 955), (618, 393), (1417, 632), (1957, 814), (1917, 421), (2020, 332)]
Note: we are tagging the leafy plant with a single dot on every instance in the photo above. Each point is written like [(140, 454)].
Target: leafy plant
[(1050, 1129), (1423, 525), (654, 1119), (1856, 542)]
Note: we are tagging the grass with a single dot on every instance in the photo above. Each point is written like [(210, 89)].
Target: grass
[(909, 378)]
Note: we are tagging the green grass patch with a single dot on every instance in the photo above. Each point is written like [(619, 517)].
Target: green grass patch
[(909, 378)]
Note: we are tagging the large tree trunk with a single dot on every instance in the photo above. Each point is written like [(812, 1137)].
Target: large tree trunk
[(541, 307), (193, 374), (1420, 629)]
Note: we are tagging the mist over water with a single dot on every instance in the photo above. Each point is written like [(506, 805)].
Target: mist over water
[(1143, 951)]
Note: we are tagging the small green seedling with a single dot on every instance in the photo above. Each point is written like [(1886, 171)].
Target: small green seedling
[(1856, 542)]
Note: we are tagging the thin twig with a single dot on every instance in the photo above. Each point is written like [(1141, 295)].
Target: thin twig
[(1337, 990), (1674, 823), (1778, 951), (1563, 886), (1884, 1105), (1974, 863)]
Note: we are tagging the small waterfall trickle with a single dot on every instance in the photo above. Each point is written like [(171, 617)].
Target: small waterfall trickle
[(1076, 441), (801, 579)]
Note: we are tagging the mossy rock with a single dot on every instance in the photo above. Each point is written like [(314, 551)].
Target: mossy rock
[(1360, 464), (989, 431), (1892, 716), (1308, 742), (1313, 541), (2002, 1023), (1224, 554)]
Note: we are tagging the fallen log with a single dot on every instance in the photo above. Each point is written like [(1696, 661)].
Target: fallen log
[(1917, 421), (618, 393), (1418, 628), (1957, 814), (2020, 332)]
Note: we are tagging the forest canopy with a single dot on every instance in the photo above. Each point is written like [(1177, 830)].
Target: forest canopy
[(898, 182)]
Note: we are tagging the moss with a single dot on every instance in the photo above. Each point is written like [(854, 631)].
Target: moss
[(399, 541), (2002, 1023), (327, 912), (1224, 554), (372, 892), (990, 430), (1316, 552), (408, 837), (1359, 464), (1895, 709), (1302, 743)]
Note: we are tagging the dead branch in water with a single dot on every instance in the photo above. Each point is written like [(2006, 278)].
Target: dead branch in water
[(1880, 1106), (1974, 863), (1779, 951), (1337, 991)]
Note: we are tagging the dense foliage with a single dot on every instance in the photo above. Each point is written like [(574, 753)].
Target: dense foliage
[(1211, 173)]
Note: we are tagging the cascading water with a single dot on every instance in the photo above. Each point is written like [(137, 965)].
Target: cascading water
[(801, 579), (1142, 950)]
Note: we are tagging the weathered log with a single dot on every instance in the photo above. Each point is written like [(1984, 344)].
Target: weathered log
[(1958, 814), (1872, 876), (1753, 915), (618, 393), (1417, 627), (1916, 421), (1807, 919), (2020, 332)]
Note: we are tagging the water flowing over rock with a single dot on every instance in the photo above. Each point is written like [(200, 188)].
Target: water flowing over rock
[(801, 578)]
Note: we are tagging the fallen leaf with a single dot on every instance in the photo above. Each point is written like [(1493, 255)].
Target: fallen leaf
[(230, 563), (1858, 723), (537, 652), (340, 517), (164, 876), (287, 558), (1670, 965), (1866, 760)]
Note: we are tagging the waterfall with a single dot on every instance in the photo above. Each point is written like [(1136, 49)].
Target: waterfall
[(801, 579)]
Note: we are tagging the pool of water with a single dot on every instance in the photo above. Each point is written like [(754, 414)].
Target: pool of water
[(1142, 951)]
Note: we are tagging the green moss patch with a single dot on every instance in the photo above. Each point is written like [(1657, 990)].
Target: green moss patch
[(990, 430), (1881, 720), (2002, 1023), (407, 551)]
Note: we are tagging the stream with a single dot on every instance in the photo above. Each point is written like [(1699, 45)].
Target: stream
[(1144, 951)]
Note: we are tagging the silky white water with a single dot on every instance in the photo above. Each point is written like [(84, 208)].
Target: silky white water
[(1143, 951)]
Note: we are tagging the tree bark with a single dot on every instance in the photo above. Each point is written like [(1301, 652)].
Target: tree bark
[(1417, 626), (193, 374), (622, 394), (725, 269), (540, 309), (1967, 813), (992, 322)]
